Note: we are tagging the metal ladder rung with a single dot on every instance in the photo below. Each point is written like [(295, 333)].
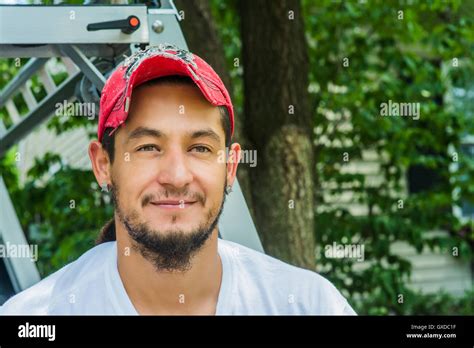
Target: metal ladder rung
[(26, 72), (28, 95), (71, 68), (46, 80), (12, 111)]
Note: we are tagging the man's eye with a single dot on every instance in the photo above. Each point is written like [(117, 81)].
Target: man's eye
[(201, 149), (148, 148)]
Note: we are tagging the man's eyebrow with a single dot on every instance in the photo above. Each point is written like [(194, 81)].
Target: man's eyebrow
[(208, 132), (144, 132), (151, 132)]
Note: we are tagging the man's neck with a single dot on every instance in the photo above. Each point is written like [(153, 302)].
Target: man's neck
[(195, 291)]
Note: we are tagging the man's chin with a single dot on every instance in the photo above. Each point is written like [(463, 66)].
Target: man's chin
[(172, 224)]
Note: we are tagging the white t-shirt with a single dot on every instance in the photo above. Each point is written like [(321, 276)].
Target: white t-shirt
[(252, 283)]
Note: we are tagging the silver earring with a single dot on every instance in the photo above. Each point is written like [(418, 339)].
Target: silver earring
[(104, 187), (228, 189)]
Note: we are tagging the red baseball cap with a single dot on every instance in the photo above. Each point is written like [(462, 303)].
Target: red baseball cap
[(152, 63)]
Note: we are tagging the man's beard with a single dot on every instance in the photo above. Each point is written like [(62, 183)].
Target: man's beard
[(170, 251)]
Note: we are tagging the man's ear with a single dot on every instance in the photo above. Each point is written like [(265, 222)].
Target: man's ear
[(233, 162), (100, 163)]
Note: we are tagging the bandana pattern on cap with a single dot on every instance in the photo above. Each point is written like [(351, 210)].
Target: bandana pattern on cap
[(166, 50)]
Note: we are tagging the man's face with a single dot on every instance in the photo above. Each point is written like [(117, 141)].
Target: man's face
[(167, 181)]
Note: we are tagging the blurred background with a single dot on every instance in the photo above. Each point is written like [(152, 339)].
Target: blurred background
[(307, 79)]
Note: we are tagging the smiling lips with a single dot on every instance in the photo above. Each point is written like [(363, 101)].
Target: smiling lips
[(173, 204)]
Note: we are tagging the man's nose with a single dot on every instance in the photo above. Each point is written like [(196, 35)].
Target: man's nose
[(174, 169)]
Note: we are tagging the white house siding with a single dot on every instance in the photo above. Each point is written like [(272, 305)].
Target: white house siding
[(432, 271)]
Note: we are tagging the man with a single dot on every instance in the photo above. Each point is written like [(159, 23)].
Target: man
[(159, 154)]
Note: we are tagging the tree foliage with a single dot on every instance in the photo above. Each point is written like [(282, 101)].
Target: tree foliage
[(407, 56)]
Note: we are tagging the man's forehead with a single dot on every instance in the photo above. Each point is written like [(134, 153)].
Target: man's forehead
[(171, 125), (174, 110), (179, 94)]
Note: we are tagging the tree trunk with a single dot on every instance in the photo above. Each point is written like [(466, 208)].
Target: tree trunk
[(279, 126)]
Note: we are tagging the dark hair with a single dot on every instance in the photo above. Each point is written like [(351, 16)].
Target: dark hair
[(108, 141), (107, 233)]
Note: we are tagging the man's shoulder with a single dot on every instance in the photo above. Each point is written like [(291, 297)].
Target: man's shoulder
[(273, 277), (257, 262), (40, 297)]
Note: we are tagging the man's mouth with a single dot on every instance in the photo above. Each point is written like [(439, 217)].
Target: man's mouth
[(173, 204)]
